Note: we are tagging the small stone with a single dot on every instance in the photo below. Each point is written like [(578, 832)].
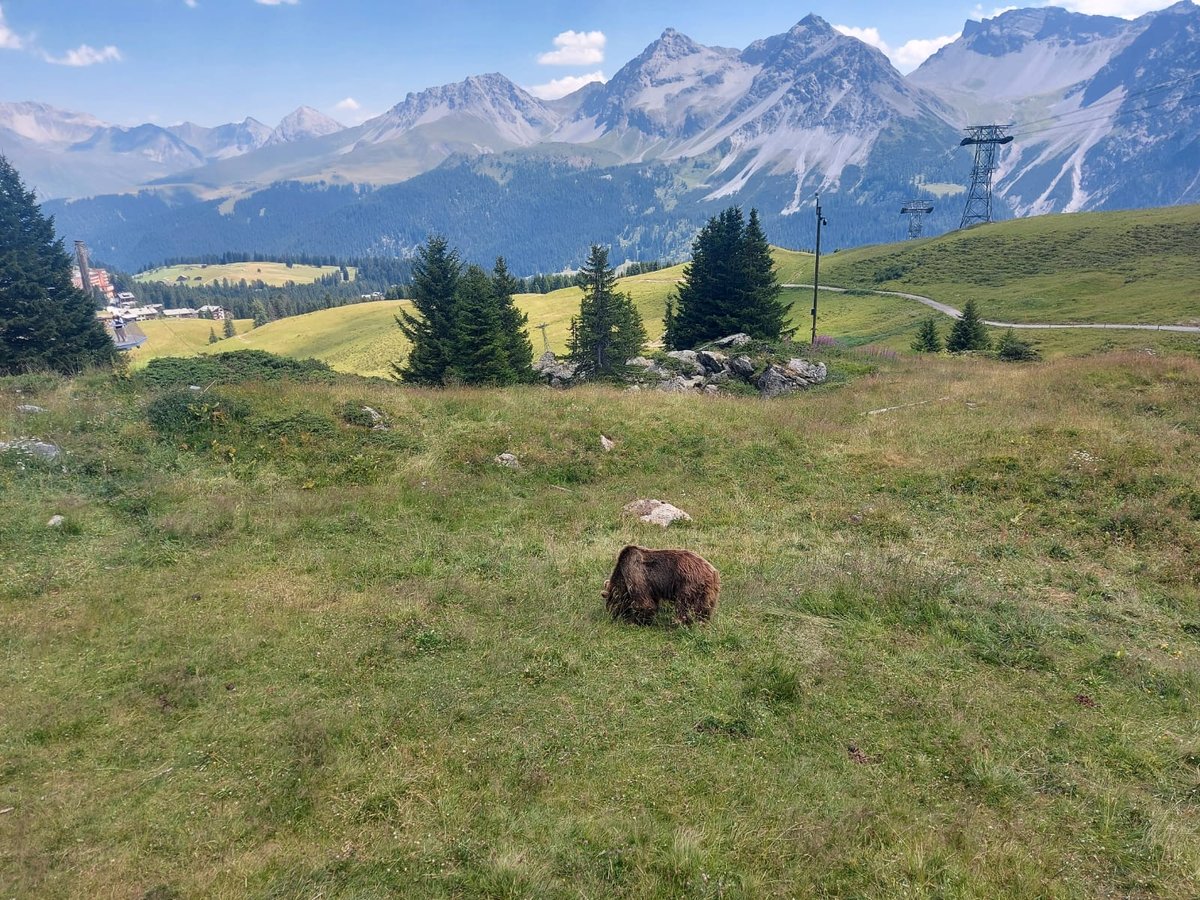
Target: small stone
[(29, 408), (32, 447), (195, 387), (375, 415), (640, 362), (655, 512), (607, 444), (508, 461), (56, 521), (711, 389), (712, 361)]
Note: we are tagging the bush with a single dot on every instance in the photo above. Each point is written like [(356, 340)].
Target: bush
[(187, 415), (231, 368), (1013, 349)]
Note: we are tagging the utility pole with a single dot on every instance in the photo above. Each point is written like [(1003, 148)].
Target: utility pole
[(817, 266), (85, 271), (985, 139), (545, 340)]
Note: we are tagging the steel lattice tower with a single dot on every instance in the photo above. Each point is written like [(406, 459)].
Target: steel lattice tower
[(916, 210), (986, 139)]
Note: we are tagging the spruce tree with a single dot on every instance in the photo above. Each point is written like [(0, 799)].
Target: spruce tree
[(729, 286), (608, 329), (433, 331), (512, 323), (481, 351), (1013, 349), (212, 335), (228, 327), (969, 332), (927, 340), (45, 322)]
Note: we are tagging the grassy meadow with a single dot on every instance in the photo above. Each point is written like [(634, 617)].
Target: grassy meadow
[(275, 274), (273, 652)]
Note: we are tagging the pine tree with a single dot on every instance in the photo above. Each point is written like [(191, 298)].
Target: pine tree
[(729, 286), (608, 329), (228, 328), (212, 335), (927, 340), (433, 333), (260, 314), (969, 332), (1012, 349), (481, 347), (45, 322), (513, 323)]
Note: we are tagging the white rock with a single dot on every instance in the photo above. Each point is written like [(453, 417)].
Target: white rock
[(607, 444), (29, 408), (656, 512), (56, 521), (508, 460)]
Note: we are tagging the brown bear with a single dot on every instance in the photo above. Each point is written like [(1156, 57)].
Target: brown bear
[(644, 578)]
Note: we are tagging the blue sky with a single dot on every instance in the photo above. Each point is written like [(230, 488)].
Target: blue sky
[(215, 61)]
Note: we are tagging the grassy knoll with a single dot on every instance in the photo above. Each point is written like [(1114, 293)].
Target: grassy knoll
[(276, 274), (275, 653), (180, 337), (1135, 266)]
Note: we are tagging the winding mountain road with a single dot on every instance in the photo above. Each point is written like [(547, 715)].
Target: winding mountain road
[(957, 314)]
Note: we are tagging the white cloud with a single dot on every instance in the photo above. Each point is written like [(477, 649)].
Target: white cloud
[(866, 35), (85, 55), (9, 40), (192, 4), (576, 48), (908, 55), (1125, 9), (912, 53), (560, 87), (347, 105), (277, 2)]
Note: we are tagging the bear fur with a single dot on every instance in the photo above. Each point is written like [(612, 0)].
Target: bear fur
[(643, 578)]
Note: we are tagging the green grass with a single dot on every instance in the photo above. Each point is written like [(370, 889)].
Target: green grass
[(275, 274), (180, 337), (1136, 266), (273, 653)]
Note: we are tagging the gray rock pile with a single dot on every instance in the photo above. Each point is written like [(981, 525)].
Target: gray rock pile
[(708, 370)]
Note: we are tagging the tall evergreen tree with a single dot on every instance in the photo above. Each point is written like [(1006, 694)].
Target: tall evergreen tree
[(228, 328), (481, 351), (729, 286), (969, 332), (45, 322), (512, 323), (927, 340), (608, 329), (433, 332)]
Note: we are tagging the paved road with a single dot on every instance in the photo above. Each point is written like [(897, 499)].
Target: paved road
[(956, 314)]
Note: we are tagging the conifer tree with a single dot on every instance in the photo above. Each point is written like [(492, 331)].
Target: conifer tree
[(512, 323), (212, 335), (608, 329), (969, 332), (927, 340), (44, 320), (228, 327), (729, 286), (481, 354), (433, 332), (1013, 349)]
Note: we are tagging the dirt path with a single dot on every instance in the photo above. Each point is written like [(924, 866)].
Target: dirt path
[(948, 310)]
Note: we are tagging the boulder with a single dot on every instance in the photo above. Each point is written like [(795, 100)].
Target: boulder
[(606, 444), (742, 366), (56, 521), (798, 373), (32, 447), (681, 384), (688, 359), (733, 340), (655, 512), (552, 369), (640, 362), (713, 362)]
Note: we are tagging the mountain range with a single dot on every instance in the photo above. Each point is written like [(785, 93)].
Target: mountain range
[(1104, 113)]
